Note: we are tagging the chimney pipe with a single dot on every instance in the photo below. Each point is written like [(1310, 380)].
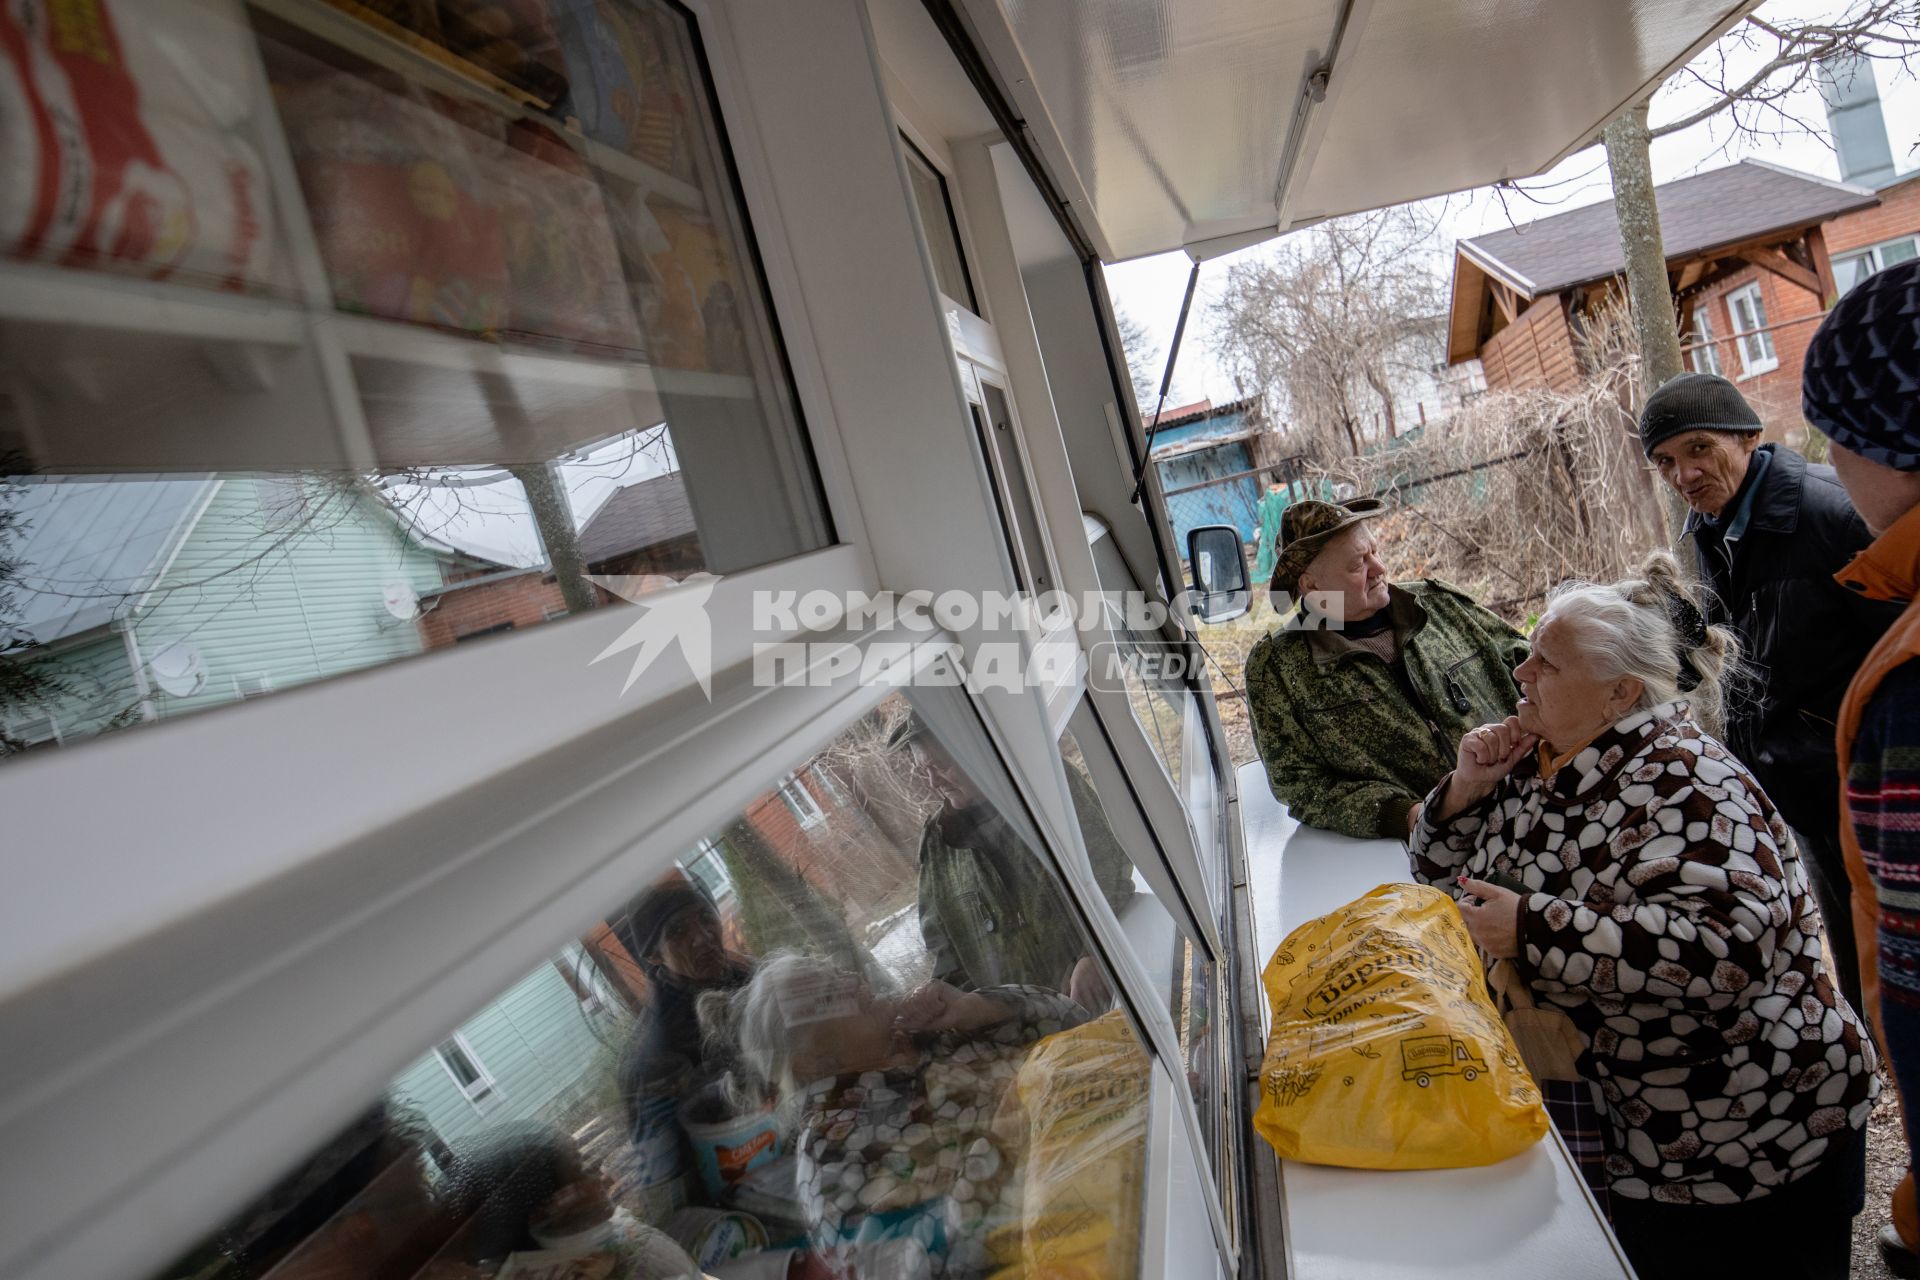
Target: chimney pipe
[(1853, 117)]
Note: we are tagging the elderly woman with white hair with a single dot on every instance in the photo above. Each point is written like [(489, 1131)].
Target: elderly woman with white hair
[(1638, 878)]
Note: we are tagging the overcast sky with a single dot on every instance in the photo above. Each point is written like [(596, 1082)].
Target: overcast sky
[(1149, 289)]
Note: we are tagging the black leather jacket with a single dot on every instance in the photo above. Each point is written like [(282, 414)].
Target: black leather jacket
[(1803, 634)]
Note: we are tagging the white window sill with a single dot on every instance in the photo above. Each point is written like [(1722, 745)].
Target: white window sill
[(1754, 371)]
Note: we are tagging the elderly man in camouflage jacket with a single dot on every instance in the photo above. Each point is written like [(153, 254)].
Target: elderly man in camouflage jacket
[(1360, 698), (991, 911)]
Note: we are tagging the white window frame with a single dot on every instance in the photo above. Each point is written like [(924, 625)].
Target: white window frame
[(1752, 333), (408, 902), (824, 776), (257, 685), (484, 1094), (1705, 356), (1875, 255), (586, 975), (709, 848), (801, 803), (16, 726), (914, 147)]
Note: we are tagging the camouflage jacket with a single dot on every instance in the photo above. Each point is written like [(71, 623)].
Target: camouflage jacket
[(1351, 743), (992, 913)]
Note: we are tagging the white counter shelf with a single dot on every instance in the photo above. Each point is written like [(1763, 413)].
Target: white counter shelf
[(1526, 1217)]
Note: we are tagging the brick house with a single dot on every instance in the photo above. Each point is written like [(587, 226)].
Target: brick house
[(1859, 243), (1751, 259), (484, 603), (643, 528)]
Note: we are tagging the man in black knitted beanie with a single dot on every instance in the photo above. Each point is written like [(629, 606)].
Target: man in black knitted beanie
[(1768, 530)]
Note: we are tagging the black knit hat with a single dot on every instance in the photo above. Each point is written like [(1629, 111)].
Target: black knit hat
[(654, 907), (1860, 385), (1694, 402)]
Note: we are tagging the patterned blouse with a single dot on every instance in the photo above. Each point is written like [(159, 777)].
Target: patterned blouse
[(1667, 922), (915, 1151)]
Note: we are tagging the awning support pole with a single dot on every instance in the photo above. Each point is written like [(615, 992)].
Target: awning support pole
[(1166, 381)]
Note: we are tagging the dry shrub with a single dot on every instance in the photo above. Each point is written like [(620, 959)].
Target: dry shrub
[(1520, 490)]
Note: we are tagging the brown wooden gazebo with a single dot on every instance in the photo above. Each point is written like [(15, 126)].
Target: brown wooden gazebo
[(1522, 295)]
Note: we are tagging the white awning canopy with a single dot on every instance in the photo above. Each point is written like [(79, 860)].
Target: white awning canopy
[(1174, 123)]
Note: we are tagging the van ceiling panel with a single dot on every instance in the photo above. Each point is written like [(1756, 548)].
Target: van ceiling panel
[(1168, 121)]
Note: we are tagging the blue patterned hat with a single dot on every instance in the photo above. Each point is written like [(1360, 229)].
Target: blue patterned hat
[(1860, 385)]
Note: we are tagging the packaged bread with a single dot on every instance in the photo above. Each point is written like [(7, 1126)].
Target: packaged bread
[(564, 269), (398, 203), (124, 129)]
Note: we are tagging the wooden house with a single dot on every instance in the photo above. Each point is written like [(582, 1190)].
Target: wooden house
[(1748, 260)]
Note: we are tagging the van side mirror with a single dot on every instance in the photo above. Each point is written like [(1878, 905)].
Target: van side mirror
[(1219, 564)]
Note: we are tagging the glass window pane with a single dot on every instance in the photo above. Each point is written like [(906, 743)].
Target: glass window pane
[(771, 1070), (1173, 957), (1750, 313), (1706, 358), (1852, 269), (465, 333), (1140, 663), (1898, 251), (1018, 492), (939, 227)]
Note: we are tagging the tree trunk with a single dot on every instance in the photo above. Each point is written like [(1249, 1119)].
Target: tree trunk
[(1630, 160), (553, 520)]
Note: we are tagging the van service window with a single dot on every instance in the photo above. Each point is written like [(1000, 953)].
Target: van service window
[(465, 333), (892, 1050)]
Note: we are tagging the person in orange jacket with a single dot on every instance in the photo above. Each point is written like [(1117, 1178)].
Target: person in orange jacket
[(1861, 388)]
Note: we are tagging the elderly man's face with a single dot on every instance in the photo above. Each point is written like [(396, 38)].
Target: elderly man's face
[(691, 947), (1349, 566), (930, 761), (1706, 467)]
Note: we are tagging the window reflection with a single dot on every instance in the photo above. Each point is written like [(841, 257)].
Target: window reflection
[(448, 320), (871, 1047), (1178, 963), (1137, 662)]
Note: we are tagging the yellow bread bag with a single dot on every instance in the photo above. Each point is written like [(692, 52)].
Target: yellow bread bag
[(1078, 1109), (1386, 1051)]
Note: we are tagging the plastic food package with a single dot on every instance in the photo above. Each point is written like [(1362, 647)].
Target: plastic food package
[(1081, 1098), (692, 309), (394, 196), (126, 120), (1386, 1051), (627, 91), (512, 40), (713, 1236), (564, 269)]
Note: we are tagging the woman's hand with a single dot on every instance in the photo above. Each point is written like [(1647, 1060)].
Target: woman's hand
[(1486, 755), (1494, 921), (940, 1007)]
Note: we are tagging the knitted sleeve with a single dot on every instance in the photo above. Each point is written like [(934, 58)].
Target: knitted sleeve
[(1883, 802)]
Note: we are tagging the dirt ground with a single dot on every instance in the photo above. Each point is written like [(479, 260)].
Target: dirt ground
[(1886, 1164), (1886, 1143)]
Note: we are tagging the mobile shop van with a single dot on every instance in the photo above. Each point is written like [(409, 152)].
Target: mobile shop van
[(481, 472)]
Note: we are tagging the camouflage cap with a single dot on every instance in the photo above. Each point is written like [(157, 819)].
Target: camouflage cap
[(906, 730), (1306, 527)]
